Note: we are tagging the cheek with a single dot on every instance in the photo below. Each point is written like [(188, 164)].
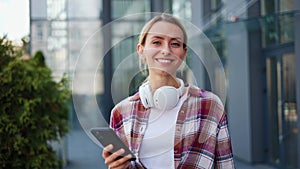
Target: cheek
[(150, 52), (180, 54), (182, 57)]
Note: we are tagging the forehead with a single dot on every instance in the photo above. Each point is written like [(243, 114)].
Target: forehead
[(163, 28)]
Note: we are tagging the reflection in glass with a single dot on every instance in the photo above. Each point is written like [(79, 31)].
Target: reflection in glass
[(277, 29), (286, 5), (282, 111), (290, 113)]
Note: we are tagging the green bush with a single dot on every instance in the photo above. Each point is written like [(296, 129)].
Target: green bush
[(33, 110)]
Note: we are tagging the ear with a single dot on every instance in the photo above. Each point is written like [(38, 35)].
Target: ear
[(184, 55), (140, 51), (185, 50)]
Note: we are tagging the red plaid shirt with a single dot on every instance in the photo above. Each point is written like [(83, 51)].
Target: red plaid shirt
[(201, 135)]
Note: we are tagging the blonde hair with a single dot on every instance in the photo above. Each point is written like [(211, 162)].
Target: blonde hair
[(165, 18)]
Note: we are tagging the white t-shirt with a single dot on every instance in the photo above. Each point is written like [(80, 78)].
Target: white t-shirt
[(157, 148)]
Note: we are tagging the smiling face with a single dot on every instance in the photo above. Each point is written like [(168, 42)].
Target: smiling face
[(163, 50)]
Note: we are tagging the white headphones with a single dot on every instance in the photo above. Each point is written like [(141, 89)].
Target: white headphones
[(164, 98)]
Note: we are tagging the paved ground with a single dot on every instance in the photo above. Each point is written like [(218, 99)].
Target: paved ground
[(83, 153)]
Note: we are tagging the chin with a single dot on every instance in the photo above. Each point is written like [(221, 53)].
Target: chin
[(164, 72)]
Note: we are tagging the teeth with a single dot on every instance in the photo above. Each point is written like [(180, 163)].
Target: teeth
[(164, 60)]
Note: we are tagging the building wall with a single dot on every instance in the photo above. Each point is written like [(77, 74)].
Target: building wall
[(239, 90), (247, 100), (238, 66), (297, 55), (38, 26), (197, 13)]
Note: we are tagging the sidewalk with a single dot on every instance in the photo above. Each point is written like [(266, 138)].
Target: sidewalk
[(243, 165), (83, 153)]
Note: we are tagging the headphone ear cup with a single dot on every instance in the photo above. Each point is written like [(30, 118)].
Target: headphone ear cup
[(166, 97), (146, 95)]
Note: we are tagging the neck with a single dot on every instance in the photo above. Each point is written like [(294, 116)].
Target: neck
[(156, 82)]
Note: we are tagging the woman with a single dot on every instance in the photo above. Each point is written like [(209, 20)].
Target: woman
[(168, 124)]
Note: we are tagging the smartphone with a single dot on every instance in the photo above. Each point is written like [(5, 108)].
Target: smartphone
[(106, 136)]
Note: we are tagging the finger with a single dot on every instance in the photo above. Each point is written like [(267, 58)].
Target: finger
[(121, 163), (122, 160), (126, 165), (118, 154), (112, 158), (107, 151)]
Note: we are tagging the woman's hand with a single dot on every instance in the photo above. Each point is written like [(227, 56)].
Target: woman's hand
[(112, 160)]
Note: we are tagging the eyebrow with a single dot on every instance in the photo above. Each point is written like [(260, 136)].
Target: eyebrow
[(172, 38)]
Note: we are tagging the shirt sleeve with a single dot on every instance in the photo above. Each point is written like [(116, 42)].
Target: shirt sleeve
[(115, 119), (223, 154)]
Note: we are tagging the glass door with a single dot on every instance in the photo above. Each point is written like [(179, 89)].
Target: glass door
[(282, 113)]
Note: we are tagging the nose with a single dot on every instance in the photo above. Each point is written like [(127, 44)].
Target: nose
[(165, 50)]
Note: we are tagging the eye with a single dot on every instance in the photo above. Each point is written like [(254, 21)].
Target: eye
[(156, 42), (175, 44)]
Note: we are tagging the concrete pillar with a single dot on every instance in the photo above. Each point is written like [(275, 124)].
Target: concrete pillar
[(239, 90), (108, 72), (157, 6), (195, 62), (257, 64), (246, 93)]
